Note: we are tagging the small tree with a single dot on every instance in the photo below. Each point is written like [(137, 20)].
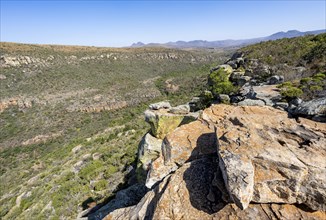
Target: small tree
[(219, 83)]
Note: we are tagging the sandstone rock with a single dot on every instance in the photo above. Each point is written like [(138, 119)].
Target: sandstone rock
[(275, 80), (162, 122), (192, 193), (296, 102), (238, 174), (180, 109), (186, 143), (149, 150), (251, 102), (267, 93), (310, 108), (224, 98), (282, 105), (289, 157), (236, 75), (159, 105), (243, 80)]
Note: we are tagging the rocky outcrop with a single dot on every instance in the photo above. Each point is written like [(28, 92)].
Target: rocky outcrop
[(287, 158), (185, 143), (194, 192), (160, 105), (311, 108), (162, 122), (149, 150), (240, 162)]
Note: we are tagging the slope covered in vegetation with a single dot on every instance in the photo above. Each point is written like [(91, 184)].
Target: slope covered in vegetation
[(71, 119), (309, 51)]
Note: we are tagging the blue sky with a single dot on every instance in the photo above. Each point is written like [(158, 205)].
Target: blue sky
[(121, 23)]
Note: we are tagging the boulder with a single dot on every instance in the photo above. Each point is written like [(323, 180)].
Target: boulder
[(296, 101), (273, 80), (282, 105), (242, 80), (269, 94), (238, 175), (180, 109), (236, 98), (149, 150), (195, 104), (224, 98), (311, 108), (287, 157), (162, 122), (236, 75), (251, 102), (160, 105), (186, 143)]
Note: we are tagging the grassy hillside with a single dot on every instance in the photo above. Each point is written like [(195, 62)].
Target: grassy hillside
[(308, 51), (71, 119)]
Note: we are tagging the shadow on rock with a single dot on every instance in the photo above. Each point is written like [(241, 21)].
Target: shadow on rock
[(203, 178)]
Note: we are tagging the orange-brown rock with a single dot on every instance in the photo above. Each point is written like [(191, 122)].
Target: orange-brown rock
[(267, 166), (260, 147), (185, 143), (193, 192)]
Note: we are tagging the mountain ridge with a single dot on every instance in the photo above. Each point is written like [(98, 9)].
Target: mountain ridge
[(228, 42)]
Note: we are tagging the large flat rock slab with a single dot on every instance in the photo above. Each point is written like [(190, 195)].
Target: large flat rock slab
[(266, 157)]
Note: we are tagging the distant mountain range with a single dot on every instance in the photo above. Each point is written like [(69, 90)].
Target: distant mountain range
[(228, 43)]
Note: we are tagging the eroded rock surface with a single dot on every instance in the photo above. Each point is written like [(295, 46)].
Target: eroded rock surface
[(162, 122), (186, 143), (237, 162), (193, 192), (288, 157)]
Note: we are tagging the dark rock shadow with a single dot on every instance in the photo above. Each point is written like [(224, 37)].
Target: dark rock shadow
[(203, 178)]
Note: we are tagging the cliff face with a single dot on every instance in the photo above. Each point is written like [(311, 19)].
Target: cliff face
[(237, 162)]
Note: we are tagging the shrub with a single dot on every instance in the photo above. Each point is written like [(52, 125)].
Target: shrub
[(291, 92), (316, 88), (100, 185), (305, 80), (91, 170), (110, 169), (220, 84), (284, 85)]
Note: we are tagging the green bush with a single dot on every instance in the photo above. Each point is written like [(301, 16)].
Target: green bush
[(291, 92), (110, 169), (284, 85), (316, 88), (91, 170), (100, 185), (305, 80), (220, 84)]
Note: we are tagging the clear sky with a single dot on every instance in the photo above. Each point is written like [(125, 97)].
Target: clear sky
[(121, 23)]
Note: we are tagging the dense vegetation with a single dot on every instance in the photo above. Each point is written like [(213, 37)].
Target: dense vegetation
[(301, 51), (59, 149)]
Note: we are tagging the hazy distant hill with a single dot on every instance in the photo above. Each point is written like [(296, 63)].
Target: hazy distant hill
[(228, 43)]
